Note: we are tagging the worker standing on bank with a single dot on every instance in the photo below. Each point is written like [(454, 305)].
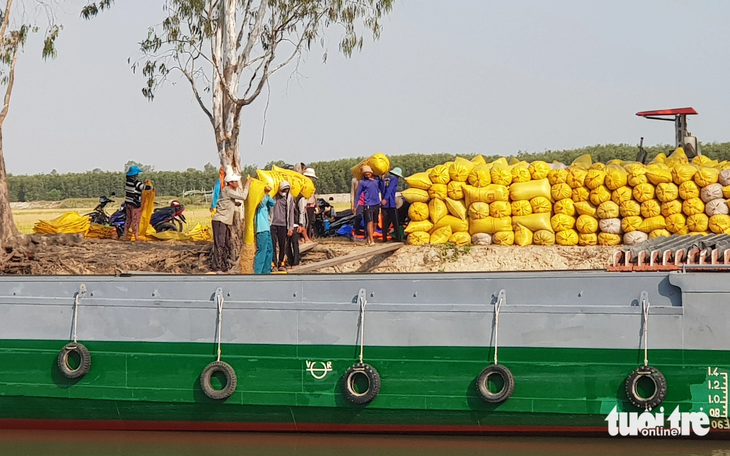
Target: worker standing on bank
[(370, 189), (133, 202), (264, 246), (388, 187), (282, 223), (230, 197)]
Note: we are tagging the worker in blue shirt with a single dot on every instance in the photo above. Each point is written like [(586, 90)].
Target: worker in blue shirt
[(264, 246), (388, 187), (371, 189)]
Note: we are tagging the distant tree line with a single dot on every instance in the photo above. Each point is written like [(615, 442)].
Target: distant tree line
[(333, 176)]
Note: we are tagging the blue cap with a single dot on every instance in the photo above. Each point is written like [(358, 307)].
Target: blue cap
[(134, 170)]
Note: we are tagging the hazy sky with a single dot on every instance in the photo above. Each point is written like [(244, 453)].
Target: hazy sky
[(459, 76)]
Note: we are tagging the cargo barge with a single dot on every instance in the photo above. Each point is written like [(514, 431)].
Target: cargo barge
[(467, 353)]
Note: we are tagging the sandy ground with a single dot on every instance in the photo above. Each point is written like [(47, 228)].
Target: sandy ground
[(71, 254)]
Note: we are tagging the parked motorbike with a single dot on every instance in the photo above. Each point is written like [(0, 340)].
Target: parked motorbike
[(99, 215), (168, 218)]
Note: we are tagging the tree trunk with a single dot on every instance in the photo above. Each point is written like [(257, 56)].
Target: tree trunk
[(8, 231)]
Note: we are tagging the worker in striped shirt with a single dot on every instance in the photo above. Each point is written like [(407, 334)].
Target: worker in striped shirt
[(133, 202)]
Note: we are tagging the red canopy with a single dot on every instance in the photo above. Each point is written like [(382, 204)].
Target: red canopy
[(667, 112)]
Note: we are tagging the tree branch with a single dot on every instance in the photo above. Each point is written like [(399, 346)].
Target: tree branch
[(197, 96)]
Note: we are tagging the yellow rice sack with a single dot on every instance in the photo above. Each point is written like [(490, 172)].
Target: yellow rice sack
[(651, 208), (719, 224), (378, 162), (595, 178), (659, 233), (439, 174), (562, 222), (501, 175), (667, 191), (629, 208), (671, 208), (534, 222), (523, 236), (631, 223), (490, 225), (501, 161), (584, 161), (580, 194), (438, 191), (616, 177), (541, 204), (643, 192), (456, 208), (441, 235), (488, 194), (585, 208), (566, 237), (418, 212), (500, 209), (478, 210), (504, 238), (437, 210), (587, 239), (622, 194), (698, 233), (423, 225), (585, 224), (455, 223), (683, 232), (658, 174), (528, 190), (566, 206), (726, 192), (521, 207), (270, 178), (300, 185), (480, 176), (461, 238), (414, 195), (543, 237), (678, 157), (701, 160), (418, 238), (698, 222), (660, 158), (706, 176), (653, 223), (539, 170), (597, 166), (576, 177), (557, 176), (561, 191), (683, 173), (478, 160), (676, 223), (693, 206), (607, 210), (521, 173), (599, 195), (609, 239), (460, 169), (419, 180), (689, 190), (455, 190)]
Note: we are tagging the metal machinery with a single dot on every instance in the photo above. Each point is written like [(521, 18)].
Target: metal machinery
[(683, 137)]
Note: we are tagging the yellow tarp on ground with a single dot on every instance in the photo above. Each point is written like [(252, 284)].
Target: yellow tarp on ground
[(148, 206), (70, 222)]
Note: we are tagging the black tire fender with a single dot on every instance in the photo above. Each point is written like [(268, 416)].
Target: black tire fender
[(483, 384), (660, 387), (165, 226), (84, 361), (348, 383), (227, 371)]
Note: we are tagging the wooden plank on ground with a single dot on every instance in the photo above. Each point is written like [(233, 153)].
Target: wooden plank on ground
[(304, 248), (365, 253)]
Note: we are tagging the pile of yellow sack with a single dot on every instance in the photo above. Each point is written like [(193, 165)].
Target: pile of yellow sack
[(70, 222), (97, 231), (200, 233), (583, 204)]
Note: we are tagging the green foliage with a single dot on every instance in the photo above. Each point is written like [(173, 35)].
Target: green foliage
[(334, 176)]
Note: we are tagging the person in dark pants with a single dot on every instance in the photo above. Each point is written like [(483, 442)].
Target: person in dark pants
[(370, 188), (388, 187), (282, 223), (358, 206), (230, 197), (300, 223)]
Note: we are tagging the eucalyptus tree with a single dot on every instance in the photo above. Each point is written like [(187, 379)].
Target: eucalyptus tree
[(227, 50)]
